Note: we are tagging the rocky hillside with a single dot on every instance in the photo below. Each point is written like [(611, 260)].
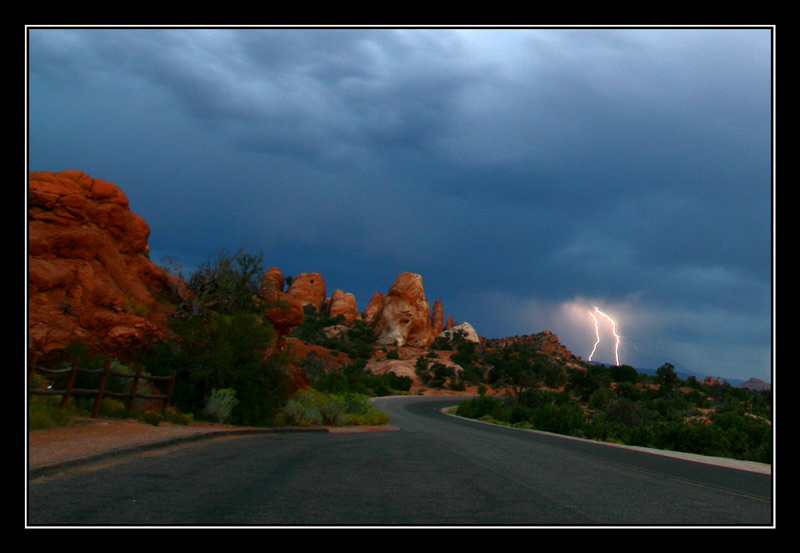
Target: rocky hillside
[(545, 342), (89, 276), (402, 316)]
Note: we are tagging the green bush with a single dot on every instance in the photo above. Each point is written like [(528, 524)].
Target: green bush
[(45, 412), (111, 408), (356, 338), (311, 407), (480, 407), (152, 417), (220, 340), (355, 379), (171, 414)]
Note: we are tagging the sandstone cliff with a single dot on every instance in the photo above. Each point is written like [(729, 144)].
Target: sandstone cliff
[(404, 317), (89, 277)]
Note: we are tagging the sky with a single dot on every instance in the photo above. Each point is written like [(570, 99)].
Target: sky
[(530, 175)]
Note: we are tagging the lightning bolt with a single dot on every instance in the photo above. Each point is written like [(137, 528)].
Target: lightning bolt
[(597, 333)]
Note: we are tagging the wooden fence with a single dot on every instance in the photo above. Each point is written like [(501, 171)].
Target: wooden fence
[(101, 390)]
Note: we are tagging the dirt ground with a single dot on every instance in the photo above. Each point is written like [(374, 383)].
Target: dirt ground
[(86, 436)]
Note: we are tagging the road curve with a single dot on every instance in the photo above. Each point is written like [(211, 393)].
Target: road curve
[(435, 470)]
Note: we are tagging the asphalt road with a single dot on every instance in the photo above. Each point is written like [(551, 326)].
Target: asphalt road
[(436, 470)]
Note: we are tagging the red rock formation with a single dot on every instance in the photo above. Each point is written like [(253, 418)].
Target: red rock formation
[(709, 381), (309, 289), (344, 304), (405, 315), (373, 307), (89, 277), (283, 311), (272, 285), (437, 318)]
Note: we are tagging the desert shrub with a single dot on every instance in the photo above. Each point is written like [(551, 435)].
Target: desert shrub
[(356, 379), (600, 398), (356, 339), (311, 407), (220, 342), (173, 415), (457, 383), (152, 417), (45, 412), (220, 404), (297, 413), (480, 407), (220, 352), (228, 283), (111, 408), (433, 374)]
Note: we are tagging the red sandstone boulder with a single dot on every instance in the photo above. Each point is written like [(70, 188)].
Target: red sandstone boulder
[(344, 304), (272, 284), (309, 289), (405, 315), (89, 277)]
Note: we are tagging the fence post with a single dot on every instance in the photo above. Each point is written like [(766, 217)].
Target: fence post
[(70, 381), (133, 390), (169, 393), (102, 388)]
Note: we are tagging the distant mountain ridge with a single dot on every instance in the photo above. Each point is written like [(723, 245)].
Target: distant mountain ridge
[(683, 374)]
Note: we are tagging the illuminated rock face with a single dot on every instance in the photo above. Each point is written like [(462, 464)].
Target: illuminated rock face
[(465, 329), (405, 315), (89, 276)]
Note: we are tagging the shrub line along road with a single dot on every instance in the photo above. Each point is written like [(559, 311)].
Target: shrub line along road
[(436, 470)]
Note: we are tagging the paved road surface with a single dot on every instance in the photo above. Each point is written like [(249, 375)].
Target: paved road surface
[(436, 470)]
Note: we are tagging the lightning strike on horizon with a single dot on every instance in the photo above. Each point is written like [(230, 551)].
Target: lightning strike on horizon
[(597, 332)]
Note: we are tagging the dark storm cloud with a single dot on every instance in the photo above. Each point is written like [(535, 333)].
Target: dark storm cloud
[(521, 172)]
